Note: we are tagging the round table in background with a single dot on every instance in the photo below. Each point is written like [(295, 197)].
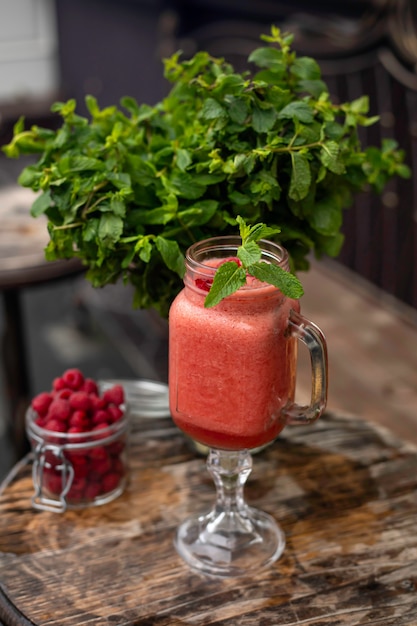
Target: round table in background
[(22, 264)]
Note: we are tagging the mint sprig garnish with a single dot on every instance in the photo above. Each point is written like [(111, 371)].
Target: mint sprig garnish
[(230, 276)]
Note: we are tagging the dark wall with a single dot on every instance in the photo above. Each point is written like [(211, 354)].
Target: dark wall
[(112, 48)]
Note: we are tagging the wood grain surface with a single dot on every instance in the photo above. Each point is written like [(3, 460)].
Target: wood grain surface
[(344, 492)]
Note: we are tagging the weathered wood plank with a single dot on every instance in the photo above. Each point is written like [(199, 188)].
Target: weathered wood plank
[(343, 491)]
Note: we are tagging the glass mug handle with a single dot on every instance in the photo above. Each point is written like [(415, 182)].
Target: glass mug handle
[(312, 337)]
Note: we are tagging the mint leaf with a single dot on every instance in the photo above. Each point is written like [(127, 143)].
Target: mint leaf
[(263, 119), (287, 283), (267, 57), (261, 231), (297, 110), (41, 204), (171, 254), (244, 229), (330, 157), (249, 253), (228, 278), (300, 177), (255, 232), (212, 110), (110, 228)]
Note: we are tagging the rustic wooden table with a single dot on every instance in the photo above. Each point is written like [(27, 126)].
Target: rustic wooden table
[(344, 492)]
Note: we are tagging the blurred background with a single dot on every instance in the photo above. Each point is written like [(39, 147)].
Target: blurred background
[(58, 49)]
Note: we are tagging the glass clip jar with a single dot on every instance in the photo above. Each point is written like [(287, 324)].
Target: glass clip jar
[(77, 470)]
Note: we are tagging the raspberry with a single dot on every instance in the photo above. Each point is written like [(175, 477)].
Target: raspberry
[(40, 403), (92, 490), (114, 395), (116, 448), (51, 460), (98, 453), (90, 386), (80, 400), (101, 426), (76, 490), (110, 481), (40, 421), (114, 413), (99, 468), (52, 482), (118, 467), (63, 394), (58, 384), (56, 425), (100, 417), (204, 283), (80, 419), (79, 461), (76, 430), (73, 378), (97, 403), (59, 409)]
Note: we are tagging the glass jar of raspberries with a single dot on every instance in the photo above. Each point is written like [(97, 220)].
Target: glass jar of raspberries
[(78, 433)]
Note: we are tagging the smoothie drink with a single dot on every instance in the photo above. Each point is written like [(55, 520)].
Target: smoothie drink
[(232, 367)]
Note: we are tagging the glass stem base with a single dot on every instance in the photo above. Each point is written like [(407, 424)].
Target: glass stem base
[(233, 539)]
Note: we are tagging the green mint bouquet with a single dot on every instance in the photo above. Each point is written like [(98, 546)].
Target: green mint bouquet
[(130, 188)]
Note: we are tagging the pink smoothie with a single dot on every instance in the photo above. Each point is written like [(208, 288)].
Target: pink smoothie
[(231, 367)]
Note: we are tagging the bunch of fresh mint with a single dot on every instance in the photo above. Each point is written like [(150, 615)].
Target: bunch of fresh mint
[(129, 189)]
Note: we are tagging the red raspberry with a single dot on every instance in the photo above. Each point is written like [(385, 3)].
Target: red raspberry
[(110, 481), (51, 461), (40, 421), (90, 386), (76, 430), (41, 402), (73, 378), (59, 409), (80, 419), (92, 490), (76, 490), (97, 403), (56, 425), (99, 468), (52, 482), (114, 395), (118, 466), (58, 384), (63, 394), (116, 448), (204, 283), (79, 461), (100, 417), (114, 413), (82, 471), (98, 453), (101, 430), (80, 400)]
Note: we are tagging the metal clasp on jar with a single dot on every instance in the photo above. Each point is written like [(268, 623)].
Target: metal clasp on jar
[(63, 466)]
